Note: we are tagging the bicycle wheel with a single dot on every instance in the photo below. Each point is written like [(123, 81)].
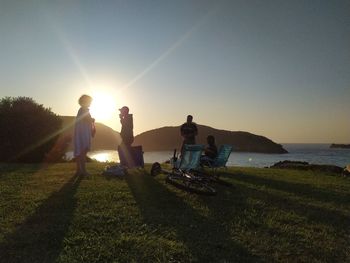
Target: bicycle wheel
[(213, 178), (156, 169), (192, 185)]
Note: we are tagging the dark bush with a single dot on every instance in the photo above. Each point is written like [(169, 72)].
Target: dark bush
[(28, 130), (59, 149)]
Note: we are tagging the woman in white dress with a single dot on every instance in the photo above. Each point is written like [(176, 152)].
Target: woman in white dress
[(83, 133)]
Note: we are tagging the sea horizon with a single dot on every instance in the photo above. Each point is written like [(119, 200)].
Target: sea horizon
[(308, 152)]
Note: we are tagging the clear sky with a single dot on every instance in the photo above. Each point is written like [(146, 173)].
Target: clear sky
[(275, 68)]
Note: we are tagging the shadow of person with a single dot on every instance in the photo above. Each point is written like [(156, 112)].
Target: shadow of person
[(164, 211), (40, 237), (272, 206), (308, 207), (302, 189)]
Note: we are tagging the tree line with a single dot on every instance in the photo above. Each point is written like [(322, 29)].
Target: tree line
[(29, 132)]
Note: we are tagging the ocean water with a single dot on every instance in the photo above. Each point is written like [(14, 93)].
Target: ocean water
[(312, 153)]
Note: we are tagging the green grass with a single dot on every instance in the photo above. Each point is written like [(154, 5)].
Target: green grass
[(47, 215)]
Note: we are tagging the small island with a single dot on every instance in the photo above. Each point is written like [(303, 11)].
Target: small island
[(168, 138), (340, 146)]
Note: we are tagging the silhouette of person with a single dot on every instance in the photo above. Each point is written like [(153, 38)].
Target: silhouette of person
[(84, 130), (126, 121), (189, 132), (210, 151), (127, 135)]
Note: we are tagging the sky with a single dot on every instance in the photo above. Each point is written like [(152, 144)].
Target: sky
[(280, 69)]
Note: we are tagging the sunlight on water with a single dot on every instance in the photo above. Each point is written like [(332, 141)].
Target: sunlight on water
[(104, 156), (313, 153)]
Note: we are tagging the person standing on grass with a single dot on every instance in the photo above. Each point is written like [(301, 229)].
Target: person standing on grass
[(84, 130), (126, 154), (189, 132), (126, 121)]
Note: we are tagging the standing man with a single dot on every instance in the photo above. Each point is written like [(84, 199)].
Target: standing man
[(189, 132), (127, 134), (126, 121)]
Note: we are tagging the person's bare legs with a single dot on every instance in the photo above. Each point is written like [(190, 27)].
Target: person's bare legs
[(78, 161), (83, 163)]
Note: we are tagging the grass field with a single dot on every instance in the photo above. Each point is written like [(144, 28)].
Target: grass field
[(47, 215)]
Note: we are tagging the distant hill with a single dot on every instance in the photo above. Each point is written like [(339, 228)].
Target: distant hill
[(168, 138), (105, 139)]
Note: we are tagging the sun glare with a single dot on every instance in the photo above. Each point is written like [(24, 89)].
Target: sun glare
[(103, 107)]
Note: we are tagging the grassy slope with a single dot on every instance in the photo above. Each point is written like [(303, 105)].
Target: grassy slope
[(268, 215)]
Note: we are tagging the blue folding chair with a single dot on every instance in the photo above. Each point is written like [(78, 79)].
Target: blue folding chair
[(219, 162), (190, 159), (222, 157), (183, 174)]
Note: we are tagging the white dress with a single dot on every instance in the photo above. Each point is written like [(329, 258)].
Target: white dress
[(82, 131)]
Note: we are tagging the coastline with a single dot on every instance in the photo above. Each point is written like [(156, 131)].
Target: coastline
[(312, 153)]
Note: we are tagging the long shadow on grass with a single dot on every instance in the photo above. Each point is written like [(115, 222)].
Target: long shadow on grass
[(262, 218), (313, 213), (40, 237), (271, 203), (299, 189), (205, 238)]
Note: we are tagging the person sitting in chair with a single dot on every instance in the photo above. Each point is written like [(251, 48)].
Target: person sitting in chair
[(210, 152)]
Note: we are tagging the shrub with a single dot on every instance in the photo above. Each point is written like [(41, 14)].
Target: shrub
[(28, 130), (57, 152)]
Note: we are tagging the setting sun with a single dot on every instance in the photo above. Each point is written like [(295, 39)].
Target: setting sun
[(103, 107)]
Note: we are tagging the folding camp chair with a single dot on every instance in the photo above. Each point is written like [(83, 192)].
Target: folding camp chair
[(182, 174)]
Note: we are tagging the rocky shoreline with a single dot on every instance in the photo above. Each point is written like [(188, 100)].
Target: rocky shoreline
[(340, 146), (307, 166)]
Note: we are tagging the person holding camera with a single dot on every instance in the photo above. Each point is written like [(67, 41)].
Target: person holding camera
[(126, 120)]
